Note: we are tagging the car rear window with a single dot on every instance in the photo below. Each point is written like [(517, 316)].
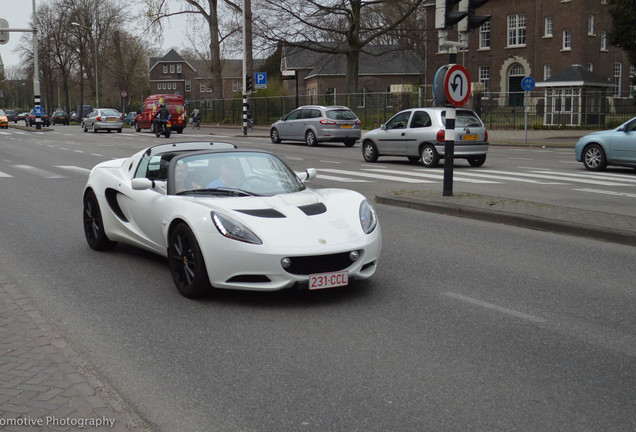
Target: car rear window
[(341, 114), (464, 119), (110, 112)]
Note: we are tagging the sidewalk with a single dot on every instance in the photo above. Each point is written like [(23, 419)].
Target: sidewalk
[(545, 217), (44, 384)]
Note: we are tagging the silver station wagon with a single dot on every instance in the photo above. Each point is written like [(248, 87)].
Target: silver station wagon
[(314, 123), (419, 134)]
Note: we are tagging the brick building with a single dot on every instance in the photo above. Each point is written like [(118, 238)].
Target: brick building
[(172, 74), (538, 38)]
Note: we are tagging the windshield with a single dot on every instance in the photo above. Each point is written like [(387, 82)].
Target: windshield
[(232, 174)]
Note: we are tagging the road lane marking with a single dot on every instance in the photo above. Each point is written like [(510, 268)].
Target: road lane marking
[(604, 192), (429, 175), (553, 177), (38, 171), (341, 179), (600, 176), (496, 308), (5, 174), (375, 176), (74, 169)]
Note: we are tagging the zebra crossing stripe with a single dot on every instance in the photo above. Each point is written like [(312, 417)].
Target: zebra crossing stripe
[(427, 175), (374, 176), (553, 177), (5, 174), (341, 179), (38, 171), (600, 176), (74, 169)]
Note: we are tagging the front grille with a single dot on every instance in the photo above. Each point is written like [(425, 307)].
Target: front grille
[(319, 263)]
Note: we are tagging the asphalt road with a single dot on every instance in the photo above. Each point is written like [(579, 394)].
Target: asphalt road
[(466, 326)]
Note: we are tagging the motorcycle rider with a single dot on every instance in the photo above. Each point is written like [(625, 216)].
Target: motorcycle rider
[(162, 116), (196, 116)]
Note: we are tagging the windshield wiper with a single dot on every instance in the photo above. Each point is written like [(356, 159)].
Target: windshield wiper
[(218, 191)]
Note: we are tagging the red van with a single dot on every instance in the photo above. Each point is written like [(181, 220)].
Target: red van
[(175, 105)]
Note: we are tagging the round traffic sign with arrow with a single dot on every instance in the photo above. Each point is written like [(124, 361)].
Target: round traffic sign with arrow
[(457, 85)]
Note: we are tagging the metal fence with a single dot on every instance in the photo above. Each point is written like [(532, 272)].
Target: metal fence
[(545, 109)]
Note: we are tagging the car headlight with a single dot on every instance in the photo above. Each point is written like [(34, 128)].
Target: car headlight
[(233, 229), (368, 218)]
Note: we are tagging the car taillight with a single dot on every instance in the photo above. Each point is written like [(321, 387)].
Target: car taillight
[(327, 122), (441, 135), (99, 118), (358, 122), (486, 136), (121, 118)]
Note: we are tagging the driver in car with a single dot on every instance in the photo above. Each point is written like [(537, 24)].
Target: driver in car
[(231, 175)]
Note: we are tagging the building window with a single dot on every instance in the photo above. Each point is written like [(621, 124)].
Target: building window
[(590, 26), (484, 35), (179, 68), (590, 67), (174, 86), (202, 87), (188, 85), (235, 87), (165, 69), (618, 75), (362, 98), (484, 78), (163, 86), (516, 30), (158, 86), (548, 27), (171, 68), (632, 74), (567, 40), (547, 72), (604, 41)]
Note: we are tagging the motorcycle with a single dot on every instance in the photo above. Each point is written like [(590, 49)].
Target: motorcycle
[(162, 128)]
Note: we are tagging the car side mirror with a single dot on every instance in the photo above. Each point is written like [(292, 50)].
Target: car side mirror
[(383, 126), (142, 183), (308, 174)]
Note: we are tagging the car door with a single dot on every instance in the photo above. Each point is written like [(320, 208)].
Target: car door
[(89, 120), (392, 139), (622, 144), (420, 130), (290, 121)]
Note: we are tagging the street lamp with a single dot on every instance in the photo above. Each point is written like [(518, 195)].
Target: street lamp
[(96, 80)]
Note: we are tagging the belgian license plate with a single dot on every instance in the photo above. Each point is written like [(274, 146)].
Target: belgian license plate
[(346, 126), (328, 280), (470, 137)]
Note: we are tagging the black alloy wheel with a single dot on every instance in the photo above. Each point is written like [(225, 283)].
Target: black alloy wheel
[(275, 137), (186, 263), (94, 226)]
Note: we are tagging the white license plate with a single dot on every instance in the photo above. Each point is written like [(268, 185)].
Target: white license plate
[(328, 280)]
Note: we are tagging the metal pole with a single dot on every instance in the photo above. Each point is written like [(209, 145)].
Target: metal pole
[(449, 142), (245, 102), (36, 74)]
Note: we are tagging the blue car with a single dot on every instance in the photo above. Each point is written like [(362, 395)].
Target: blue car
[(610, 147)]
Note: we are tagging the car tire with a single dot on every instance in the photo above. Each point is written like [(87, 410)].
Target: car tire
[(350, 143), (594, 158), (186, 262), (94, 226), (430, 158), (137, 128), (167, 133), (118, 130), (94, 128), (180, 130), (274, 136), (369, 151), (310, 138), (84, 127), (477, 161)]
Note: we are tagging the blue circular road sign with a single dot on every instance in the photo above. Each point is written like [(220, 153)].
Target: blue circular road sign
[(527, 84)]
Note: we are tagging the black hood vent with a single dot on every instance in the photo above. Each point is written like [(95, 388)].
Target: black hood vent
[(313, 209), (264, 213)]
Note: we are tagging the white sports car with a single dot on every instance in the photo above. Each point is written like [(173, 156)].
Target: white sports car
[(229, 218)]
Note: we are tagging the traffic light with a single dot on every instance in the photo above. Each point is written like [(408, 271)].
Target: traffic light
[(472, 20), (248, 83), (445, 17)]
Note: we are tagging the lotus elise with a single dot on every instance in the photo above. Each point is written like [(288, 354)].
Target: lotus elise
[(231, 218)]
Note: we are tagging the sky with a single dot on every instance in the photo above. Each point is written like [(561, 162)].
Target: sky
[(18, 13)]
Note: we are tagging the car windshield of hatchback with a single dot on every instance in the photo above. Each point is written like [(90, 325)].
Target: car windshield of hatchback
[(2, 113), (341, 115), (244, 173)]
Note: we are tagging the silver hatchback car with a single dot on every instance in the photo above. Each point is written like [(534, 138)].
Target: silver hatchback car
[(103, 118), (419, 134), (315, 123)]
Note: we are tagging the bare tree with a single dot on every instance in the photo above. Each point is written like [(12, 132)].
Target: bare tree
[(333, 27)]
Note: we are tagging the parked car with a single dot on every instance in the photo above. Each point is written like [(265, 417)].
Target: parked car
[(83, 111), (103, 119), (174, 103), (12, 115), (230, 218), (23, 116), (314, 124), (60, 117), (617, 146), (73, 116), (4, 121), (129, 118), (420, 134), (46, 119)]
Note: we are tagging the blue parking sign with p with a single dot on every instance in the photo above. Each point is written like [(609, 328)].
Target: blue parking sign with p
[(260, 80)]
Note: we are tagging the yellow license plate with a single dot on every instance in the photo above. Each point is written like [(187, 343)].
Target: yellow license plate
[(346, 126), (470, 137), (111, 119)]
